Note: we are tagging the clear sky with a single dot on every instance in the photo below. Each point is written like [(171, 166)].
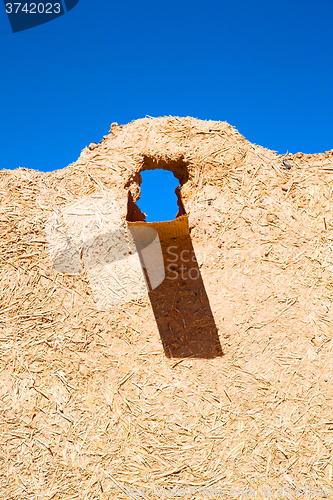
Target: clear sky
[(263, 66)]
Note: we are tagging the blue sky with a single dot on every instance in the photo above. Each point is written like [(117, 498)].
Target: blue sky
[(263, 66)]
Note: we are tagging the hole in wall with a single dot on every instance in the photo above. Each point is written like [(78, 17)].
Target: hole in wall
[(158, 199), (169, 174)]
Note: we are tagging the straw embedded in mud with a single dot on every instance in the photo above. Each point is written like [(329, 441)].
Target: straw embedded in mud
[(91, 406)]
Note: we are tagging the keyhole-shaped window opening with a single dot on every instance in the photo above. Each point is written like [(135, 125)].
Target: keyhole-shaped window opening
[(158, 199)]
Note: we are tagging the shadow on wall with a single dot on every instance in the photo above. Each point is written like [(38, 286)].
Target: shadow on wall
[(179, 301)]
